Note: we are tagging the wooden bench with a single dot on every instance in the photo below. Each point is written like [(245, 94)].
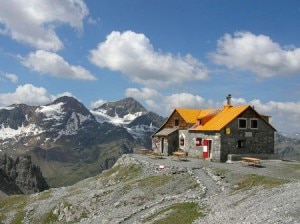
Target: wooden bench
[(155, 154), (250, 161), (145, 151), (180, 155)]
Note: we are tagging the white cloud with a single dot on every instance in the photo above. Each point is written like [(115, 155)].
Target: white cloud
[(143, 94), (33, 21), (28, 94), (258, 54), (97, 103), (164, 105), (132, 54), (12, 77), (51, 63)]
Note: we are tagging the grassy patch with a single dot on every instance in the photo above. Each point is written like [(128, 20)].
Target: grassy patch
[(19, 217), (13, 203), (154, 181), (220, 172), (294, 166), (45, 195), (122, 173), (253, 180), (71, 174), (181, 213), (50, 217)]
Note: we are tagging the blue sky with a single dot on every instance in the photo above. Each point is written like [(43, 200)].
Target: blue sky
[(165, 54)]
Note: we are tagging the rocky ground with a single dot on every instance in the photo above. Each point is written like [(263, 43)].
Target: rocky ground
[(139, 189)]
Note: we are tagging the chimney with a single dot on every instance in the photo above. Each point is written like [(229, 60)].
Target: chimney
[(228, 100)]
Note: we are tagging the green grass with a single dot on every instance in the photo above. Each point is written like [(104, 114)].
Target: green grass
[(220, 172), (13, 203), (72, 174), (294, 166), (253, 180), (122, 173), (49, 217), (45, 195), (181, 213), (154, 181)]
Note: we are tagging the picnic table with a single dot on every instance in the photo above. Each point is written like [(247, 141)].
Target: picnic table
[(144, 151), (251, 161), (180, 155), (155, 154)]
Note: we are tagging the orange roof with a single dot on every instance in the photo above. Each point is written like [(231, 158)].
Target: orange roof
[(191, 115), (221, 118)]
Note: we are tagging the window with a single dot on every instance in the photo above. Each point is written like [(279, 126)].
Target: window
[(181, 141), (198, 141), (242, 123), (241, 143), (176, 123), (254, 123)]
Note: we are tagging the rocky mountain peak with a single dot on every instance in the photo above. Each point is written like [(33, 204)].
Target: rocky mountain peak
[(122, 107), (71, 104)]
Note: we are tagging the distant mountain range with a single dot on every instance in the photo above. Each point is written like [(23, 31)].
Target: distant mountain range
[(70, 142)]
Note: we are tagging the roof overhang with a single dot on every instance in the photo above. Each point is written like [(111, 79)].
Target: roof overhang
[(165, 132)]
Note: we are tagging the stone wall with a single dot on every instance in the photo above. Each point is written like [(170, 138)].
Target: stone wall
[(249, 140), (196, 151)]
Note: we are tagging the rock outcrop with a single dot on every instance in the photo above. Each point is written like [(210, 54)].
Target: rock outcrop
[(20, 176)]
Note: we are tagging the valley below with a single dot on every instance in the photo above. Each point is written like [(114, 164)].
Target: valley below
[(140, 189)]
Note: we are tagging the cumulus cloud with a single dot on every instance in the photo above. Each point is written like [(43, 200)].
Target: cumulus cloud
[(132, 54), (164, 105), (142, 94), (51, 63), (258, 54), (33, 21), (28, 94), (12, 77)]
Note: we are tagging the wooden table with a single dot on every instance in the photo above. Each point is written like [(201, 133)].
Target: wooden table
[(155, 154), (144, 151), (180, 155), (251, 161)]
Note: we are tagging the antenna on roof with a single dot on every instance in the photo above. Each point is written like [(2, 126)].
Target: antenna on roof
[(228, 100)]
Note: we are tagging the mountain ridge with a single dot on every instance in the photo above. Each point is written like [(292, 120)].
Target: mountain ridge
[(66, 134)]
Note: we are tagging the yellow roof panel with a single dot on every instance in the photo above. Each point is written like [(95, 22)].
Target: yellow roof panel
[(191, 115), (222, 118)]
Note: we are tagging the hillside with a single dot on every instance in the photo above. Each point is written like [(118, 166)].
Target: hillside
[(139, 189), (69, 142), (20, 176)]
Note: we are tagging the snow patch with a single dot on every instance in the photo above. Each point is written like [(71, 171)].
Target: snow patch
[(101, 116), (29, 130), (54, 111)]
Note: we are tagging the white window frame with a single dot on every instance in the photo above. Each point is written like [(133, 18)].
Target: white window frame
[(245, 119)]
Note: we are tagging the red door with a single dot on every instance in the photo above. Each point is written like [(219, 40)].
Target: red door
[(205, 149)]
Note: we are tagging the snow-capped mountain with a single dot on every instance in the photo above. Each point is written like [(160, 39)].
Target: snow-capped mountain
[(130, 114), (65, 133)]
